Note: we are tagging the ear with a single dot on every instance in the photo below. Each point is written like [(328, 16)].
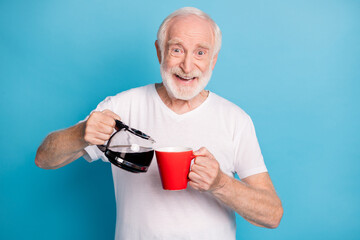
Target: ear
[(158, 52), (214, 61)]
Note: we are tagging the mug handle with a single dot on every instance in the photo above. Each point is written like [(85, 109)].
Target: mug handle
[(192, 156)]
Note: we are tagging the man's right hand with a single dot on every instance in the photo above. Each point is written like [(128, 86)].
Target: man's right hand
[(64, 146), (99, 127)]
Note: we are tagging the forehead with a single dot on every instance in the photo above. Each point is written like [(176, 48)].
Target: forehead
[(191, 30)]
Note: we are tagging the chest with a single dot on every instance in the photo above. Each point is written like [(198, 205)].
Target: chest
[(194, 130)]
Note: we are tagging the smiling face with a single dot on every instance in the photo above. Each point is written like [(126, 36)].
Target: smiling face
[(188, 58)]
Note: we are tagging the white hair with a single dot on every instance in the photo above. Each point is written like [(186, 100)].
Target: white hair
[(186, 11)]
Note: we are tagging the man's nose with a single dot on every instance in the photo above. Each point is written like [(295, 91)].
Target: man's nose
[(187, 63)]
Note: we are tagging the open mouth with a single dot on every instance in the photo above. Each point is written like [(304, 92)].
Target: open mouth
[(185, 79)]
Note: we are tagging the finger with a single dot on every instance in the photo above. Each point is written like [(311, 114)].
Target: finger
[(111, 114), (208, 169), (93, 126), (202, 175), (96, 139), (97, 135), (198, 168), (202, 161), (106, 129), (203, 152), (194, 185), (102, 136), (100, 117), (107, 120), (97, 142), (195, 177)]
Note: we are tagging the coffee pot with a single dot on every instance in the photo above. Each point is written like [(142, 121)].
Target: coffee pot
[(129, 148)]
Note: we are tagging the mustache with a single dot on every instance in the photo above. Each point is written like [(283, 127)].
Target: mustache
[(193, 74)]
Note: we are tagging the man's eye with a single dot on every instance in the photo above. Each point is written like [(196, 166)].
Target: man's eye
[(200, 53), (176, 50)]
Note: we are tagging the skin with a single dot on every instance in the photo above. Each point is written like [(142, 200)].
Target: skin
[(182, 48), (64, 146), (254, 197)]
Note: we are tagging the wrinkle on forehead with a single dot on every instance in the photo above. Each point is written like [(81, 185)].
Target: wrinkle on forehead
[(192, 27), (175, 41)]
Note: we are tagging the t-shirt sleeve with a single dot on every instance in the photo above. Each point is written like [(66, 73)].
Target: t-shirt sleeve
[(93, 152), (248, 157)]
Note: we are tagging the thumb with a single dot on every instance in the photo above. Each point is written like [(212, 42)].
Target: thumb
[(201, 151)]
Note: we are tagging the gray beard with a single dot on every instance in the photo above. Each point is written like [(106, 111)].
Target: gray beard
[(185, 92)]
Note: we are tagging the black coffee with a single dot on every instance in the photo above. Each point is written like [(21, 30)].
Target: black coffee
[(141, 158)]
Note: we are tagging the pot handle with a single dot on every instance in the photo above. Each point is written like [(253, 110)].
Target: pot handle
[(101, 147)]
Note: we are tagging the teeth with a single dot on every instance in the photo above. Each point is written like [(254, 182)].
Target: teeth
[(185, 78)]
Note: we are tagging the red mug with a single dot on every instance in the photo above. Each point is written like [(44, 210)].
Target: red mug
[(174, 166)]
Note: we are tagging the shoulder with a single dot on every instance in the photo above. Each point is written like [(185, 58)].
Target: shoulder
[(125, 98), (131, 95), (227, 108), (134, 92)]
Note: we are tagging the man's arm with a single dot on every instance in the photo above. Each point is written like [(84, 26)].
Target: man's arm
[(254, 198), (63, 147)]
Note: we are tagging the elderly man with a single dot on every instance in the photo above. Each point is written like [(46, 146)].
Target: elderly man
[(179, 112)]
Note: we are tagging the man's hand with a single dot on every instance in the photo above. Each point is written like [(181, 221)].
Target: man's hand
[(205, 174), (99, 127), (64, 146), (253, 197)]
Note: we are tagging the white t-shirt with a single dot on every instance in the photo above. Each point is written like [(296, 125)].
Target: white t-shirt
[(144, 209)]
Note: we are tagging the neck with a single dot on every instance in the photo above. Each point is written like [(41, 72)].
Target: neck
[(180, 106)]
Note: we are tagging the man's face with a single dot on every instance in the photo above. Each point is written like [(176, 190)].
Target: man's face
[(188, 58)]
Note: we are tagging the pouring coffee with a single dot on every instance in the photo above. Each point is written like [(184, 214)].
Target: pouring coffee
[(129, 148)]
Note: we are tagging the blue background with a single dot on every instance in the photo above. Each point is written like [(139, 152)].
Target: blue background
[(293, 66)]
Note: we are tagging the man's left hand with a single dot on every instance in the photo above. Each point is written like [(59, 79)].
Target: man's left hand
[(205, 174)]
